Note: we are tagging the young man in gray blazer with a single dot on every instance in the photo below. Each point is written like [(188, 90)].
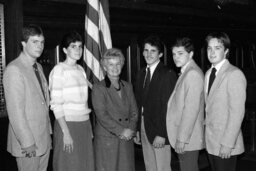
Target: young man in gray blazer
[(185, 112), (225, 94), (27, 101)]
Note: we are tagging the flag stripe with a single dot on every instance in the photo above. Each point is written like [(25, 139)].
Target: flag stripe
[(94, 4), (92, 15), (92, 47), (91, 60), (104, 28), (92, 31), (97, 38)]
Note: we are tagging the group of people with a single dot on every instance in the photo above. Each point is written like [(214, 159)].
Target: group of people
[(187, 114)]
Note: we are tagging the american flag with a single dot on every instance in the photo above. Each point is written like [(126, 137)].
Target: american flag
[(97, 37)]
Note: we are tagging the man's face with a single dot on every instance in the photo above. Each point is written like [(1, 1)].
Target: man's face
[(180, 56), (151, 54), (216, 51), (34, 46)]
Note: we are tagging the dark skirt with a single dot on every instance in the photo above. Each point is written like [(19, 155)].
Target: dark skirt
[(82, 157), (113, 154)]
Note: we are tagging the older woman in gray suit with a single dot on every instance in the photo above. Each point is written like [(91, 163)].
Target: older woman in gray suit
[(116, 116)]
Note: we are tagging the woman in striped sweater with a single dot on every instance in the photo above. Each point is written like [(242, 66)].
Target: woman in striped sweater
[(73, 149)]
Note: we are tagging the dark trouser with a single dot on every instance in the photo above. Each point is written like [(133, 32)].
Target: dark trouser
[(189, 161), (219, 164)]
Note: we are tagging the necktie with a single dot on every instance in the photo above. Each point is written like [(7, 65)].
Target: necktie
[(147, 79), (38, 77), (211, 79), (145, 86)]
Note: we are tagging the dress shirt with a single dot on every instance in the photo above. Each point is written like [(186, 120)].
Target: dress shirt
[(217, 67)]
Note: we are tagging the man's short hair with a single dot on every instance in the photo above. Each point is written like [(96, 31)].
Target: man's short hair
[(154, 40), (31, 30), (184, 42), (221, 36)]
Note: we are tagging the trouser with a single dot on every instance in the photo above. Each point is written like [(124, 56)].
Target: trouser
[(219, 164), (156, 159), (38, 163)]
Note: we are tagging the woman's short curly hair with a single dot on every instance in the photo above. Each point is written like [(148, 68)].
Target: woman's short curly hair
[(112, 53)]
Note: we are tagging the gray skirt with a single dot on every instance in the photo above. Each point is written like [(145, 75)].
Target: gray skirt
[(113, 154), (82, 157)]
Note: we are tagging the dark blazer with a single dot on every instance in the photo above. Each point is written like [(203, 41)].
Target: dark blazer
[(161, 86)]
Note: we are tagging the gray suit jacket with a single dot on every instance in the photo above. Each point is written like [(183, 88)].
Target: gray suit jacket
[(225, 108), (114, 113), (28, 110), (185, 113)]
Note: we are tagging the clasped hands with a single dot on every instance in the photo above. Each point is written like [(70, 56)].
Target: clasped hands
[(127, 134), (30, 151)]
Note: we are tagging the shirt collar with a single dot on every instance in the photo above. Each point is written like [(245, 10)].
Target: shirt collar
[(153, 68), (182, 70), (28, 60), (219, 65)]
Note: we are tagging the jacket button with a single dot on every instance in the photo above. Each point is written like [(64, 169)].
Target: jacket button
[(126, 119), (120, 120)]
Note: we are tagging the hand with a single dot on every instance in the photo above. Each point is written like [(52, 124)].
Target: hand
[(159, 142), (127, 134), (225, 152), (67, 143), (179, 147), (136, 139), (30, 151)]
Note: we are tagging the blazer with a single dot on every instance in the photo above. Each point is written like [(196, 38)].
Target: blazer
[(114, 113), (27, 108), (154, 111), (225, 108), (185, 113)]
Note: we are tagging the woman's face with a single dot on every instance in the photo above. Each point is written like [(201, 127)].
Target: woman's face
[(74, 51), (113, 67)]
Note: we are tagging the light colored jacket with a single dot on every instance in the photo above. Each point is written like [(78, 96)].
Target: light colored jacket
[(225, 108), (28, 109), (185, 113)]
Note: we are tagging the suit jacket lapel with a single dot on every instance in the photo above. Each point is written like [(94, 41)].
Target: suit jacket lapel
[(44, 84), (120, 101), (218, 79), (181, 77), (155, 76), (31, 74)]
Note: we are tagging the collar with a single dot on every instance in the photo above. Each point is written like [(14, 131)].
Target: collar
[(219, 65), (27, 60), (108, 82), (152, 68), (182, 70)]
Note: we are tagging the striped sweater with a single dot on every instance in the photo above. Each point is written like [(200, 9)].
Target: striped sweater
[(69, 92)]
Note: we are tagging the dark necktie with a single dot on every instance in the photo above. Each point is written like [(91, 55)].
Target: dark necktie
[(147, 79), (211, 79), (38, 77), (146, 86)]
